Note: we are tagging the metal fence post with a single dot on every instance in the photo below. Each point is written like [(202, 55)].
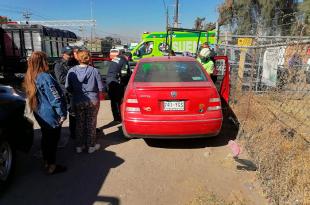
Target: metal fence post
[(258, 76)]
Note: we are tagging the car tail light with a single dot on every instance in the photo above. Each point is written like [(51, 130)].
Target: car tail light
[(214, 104), (132, 103), (212, 108), (215, 100), (132, 100), (132, 109)]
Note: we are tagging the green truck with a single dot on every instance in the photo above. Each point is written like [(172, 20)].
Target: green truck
[(156, 43)]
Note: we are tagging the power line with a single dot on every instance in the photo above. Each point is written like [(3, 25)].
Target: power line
[(49, 21), (165, 5), (27, 15), (10, 10), (116, 34)]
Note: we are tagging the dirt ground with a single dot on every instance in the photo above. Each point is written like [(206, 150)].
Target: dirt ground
[(138, 172)]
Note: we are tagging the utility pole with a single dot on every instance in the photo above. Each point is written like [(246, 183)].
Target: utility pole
[(167, 22), (167, 14), (93, 27), (176, 17), (27, 15), (81, 30), (167, 18)]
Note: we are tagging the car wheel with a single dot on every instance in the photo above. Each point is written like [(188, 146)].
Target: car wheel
[(7, 160)]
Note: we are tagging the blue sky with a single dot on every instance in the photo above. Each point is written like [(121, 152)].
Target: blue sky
[(126, 19)]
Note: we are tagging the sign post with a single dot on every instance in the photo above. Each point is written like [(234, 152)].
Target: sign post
[(242, 42)]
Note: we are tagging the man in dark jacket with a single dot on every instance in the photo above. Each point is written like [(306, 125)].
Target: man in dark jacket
[(61, 69), (116, 81)]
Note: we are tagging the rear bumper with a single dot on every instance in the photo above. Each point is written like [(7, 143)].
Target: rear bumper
[(172, 129)]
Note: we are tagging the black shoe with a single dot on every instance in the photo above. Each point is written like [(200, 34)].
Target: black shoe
[(119, 120), (58, 169)]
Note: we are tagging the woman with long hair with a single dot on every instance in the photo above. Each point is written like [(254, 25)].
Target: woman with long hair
[(85, 85), (48, 105)]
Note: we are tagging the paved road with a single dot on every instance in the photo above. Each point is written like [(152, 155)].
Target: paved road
[(135, 172)]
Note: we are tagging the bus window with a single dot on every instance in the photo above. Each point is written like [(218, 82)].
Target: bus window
[(145, 49), (48, 47), (16, 38), (8, 44), (59, 42), (54, 47), (65, 42), (37, 44), (28, 44), (162, 47)]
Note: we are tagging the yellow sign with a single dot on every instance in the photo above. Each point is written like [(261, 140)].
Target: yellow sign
[(244, 41)]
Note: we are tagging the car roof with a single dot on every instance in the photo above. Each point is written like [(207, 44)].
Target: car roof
[(168, 59)]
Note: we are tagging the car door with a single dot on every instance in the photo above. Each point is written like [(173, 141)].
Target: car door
[(148, 52), (222, 70)]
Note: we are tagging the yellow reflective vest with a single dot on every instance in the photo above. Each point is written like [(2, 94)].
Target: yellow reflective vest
[(208, 65)]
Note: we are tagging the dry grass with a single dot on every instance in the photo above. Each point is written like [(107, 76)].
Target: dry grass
[(275, 134)]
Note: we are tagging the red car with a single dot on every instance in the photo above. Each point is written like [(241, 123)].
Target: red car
[(171, 97)]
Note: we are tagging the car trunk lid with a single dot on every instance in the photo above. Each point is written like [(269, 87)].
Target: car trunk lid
[(174, 98)]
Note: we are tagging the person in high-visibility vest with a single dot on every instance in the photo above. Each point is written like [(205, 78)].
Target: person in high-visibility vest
[(205, 60)]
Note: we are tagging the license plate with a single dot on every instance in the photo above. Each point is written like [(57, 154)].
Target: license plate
[(173, 105)]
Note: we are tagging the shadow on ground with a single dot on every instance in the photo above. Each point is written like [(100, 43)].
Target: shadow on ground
[(80, 185), (112, 138), (228, 132), (245, 164)]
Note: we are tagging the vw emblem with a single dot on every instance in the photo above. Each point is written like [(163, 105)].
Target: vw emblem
[(173, 94)]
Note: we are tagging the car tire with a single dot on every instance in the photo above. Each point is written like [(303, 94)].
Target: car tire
[(7, 163)]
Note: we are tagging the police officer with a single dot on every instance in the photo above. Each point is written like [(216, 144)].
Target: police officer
[(61, 69), (116, 82)]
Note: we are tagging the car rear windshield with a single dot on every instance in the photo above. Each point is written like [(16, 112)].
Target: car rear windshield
[(169, 72)]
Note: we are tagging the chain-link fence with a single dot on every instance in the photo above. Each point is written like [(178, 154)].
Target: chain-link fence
[(270, 95)]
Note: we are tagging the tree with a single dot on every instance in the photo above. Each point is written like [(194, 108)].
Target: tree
[(209, 26), (304, 26), (4, 19), (258, 16), (199, 23)]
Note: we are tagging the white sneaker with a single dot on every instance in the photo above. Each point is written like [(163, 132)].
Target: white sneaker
[(79, 149), (94, 148)]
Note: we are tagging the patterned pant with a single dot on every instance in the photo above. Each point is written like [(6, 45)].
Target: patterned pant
[(86, 121)]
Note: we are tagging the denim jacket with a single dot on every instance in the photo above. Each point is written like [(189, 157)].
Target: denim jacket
[(51, 102)]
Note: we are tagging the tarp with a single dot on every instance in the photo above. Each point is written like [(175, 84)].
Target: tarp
[(48, 31), (273, 60), (58, 33)]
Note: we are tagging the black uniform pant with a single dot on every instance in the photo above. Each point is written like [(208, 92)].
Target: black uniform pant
[(116, 93), (50, 138), (72, 125), (72, 118)]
